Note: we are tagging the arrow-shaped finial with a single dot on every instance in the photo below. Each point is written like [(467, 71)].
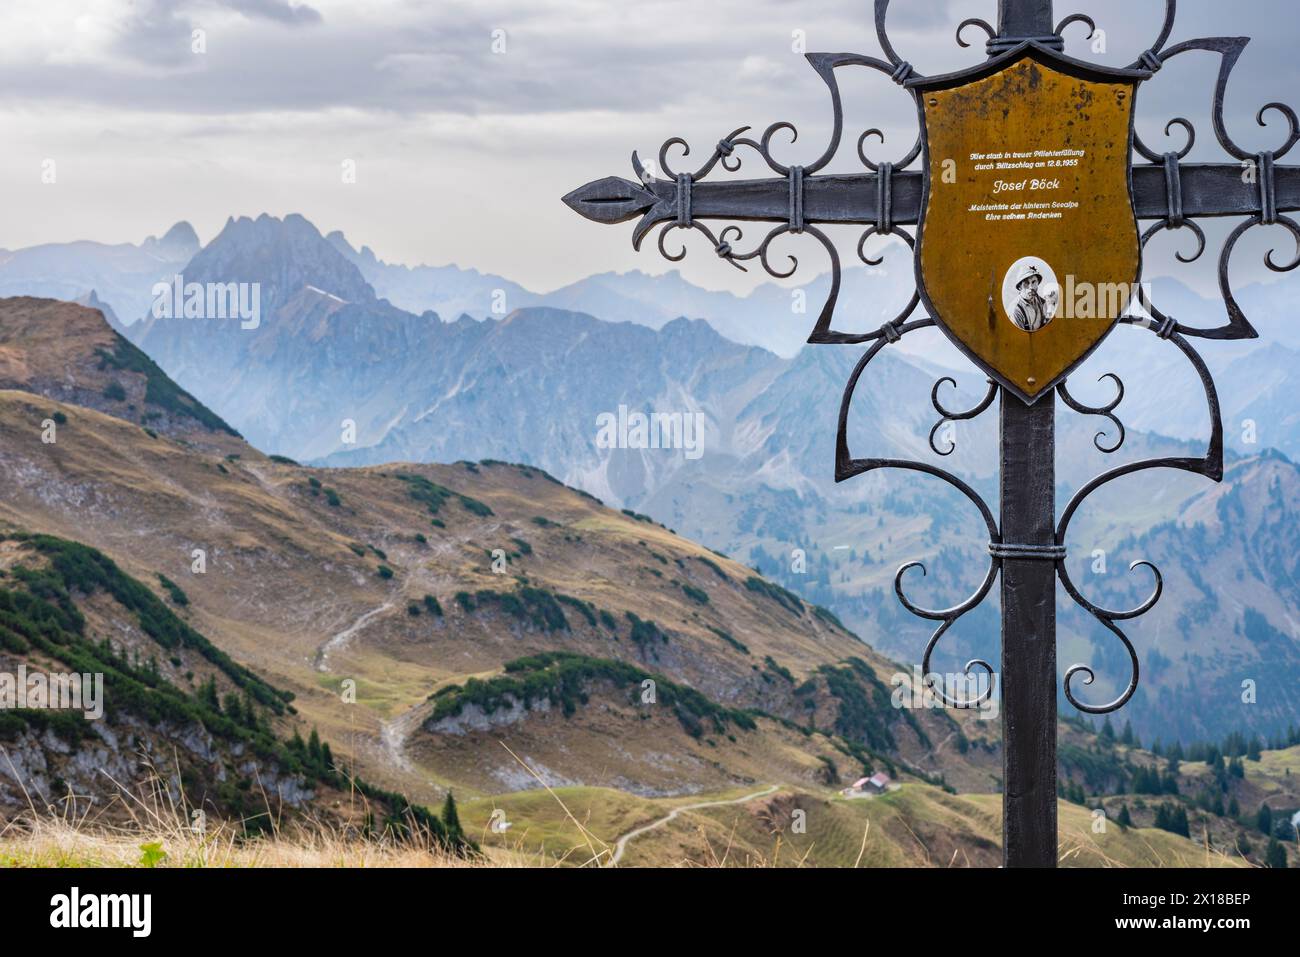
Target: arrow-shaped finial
[(610, 200)]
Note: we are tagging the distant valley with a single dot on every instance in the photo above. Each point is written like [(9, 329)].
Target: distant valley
[(343, 372)]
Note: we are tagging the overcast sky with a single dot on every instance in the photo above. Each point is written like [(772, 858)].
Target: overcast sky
[(462, 151)]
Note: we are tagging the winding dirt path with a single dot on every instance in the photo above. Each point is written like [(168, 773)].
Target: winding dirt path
[(322, 653), (621, 844), (394, 734)]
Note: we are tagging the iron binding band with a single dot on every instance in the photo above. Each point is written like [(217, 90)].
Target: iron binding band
[(796, 199), (1267, 176), (1173, 191), (1002, 44), (1046, 553), (684, 182), (885, 199)]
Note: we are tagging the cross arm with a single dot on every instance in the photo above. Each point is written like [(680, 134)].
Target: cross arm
[(1207, 189)]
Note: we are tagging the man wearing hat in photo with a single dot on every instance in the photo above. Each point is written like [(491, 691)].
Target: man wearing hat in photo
[(1032, 312)]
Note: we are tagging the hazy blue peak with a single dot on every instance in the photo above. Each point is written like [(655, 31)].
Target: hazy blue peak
[(284, 255), (182, 234), (178, 243), (694, 333)]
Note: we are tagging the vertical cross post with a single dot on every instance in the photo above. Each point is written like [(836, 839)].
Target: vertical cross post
[(1028, 517), (1025, 18), (1028, 479)]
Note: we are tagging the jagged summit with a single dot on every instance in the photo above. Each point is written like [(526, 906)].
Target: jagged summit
[(179, 242), (282, 255)]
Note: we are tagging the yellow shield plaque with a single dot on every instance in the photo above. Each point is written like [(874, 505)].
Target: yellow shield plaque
[(1028, 247)]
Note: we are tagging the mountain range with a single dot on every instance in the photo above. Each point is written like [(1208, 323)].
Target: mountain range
[(119, 275), (1256, 377), (339, 374)]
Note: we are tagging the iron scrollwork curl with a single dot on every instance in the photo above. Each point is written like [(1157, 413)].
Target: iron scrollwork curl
[(847, 467), (1210, 466), (1106, 411), (661, 205), (1258, 168), (948, 415)]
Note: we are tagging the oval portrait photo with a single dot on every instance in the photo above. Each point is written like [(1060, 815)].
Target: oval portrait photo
[(1030, 294)]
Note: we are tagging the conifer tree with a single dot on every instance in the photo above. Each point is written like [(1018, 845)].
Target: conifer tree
[(234, 710), (1275, 856), (1107, 735), (451, 820), (208, 694)]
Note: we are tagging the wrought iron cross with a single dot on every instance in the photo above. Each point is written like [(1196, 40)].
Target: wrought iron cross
[(1027, 540)]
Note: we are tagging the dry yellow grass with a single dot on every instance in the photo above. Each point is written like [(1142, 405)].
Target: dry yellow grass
[(911, 828), (58, 843), (148, 826)]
